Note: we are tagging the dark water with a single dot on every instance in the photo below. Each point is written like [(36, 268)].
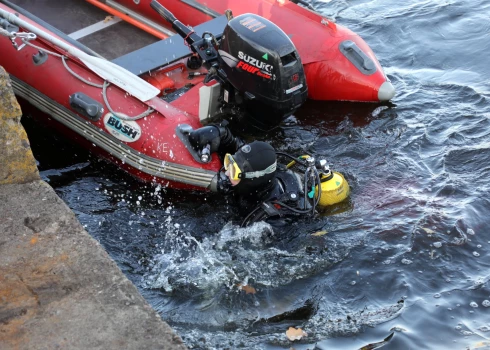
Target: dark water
[(409, 254)]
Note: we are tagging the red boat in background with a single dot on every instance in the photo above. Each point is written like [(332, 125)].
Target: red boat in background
[(338, 64)]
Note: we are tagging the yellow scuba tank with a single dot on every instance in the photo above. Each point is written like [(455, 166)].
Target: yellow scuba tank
[(334, 189)]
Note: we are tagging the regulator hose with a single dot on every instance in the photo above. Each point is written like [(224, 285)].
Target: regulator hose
[(250, 215), (295, 159)]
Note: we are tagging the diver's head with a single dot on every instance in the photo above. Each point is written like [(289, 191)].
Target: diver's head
[(252, 168)]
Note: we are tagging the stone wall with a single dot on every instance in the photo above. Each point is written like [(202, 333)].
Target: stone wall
[(17, 164)]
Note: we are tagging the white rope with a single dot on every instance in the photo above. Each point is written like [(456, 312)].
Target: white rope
[(42, 49), (119, 115), (63, 58), (103, 87)]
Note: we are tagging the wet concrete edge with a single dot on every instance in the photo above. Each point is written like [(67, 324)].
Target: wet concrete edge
[(58, 286)]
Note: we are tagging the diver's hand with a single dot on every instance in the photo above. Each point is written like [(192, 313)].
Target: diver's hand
[(223, 183)]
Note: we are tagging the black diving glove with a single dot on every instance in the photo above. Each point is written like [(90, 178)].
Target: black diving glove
[(217, 137), (223, 183)]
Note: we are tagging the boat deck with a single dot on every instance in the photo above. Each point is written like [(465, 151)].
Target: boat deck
[(105, 34)]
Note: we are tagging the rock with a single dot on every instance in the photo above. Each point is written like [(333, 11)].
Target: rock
[(17, 162)]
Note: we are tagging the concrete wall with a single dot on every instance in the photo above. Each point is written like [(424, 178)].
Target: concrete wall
[(59, 289)]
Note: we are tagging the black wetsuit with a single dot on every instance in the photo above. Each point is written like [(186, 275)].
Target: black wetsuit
[(285, 198)]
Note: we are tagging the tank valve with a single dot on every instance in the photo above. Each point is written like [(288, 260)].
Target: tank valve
[(310, 161), (324, 167)]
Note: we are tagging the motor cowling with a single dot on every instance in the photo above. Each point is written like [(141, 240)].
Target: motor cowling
[(262, 65)]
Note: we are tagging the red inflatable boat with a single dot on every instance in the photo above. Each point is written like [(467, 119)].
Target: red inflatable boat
[(339, 65), (137, 100)]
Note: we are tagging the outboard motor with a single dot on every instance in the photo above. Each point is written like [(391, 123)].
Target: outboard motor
[(259, 73), (262, 65)]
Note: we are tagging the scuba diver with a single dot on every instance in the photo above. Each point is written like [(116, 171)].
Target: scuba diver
[(265, 188)]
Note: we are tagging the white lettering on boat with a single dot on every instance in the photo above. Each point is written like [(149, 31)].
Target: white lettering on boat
[(162, 147)]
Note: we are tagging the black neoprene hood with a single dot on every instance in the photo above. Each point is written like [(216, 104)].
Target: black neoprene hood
[(255, 156)]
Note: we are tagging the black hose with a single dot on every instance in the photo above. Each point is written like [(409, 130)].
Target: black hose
[(319, 184), (314, 199), (316, 182), (292, 157), (244, 222), (305, 185), (299, 211)]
